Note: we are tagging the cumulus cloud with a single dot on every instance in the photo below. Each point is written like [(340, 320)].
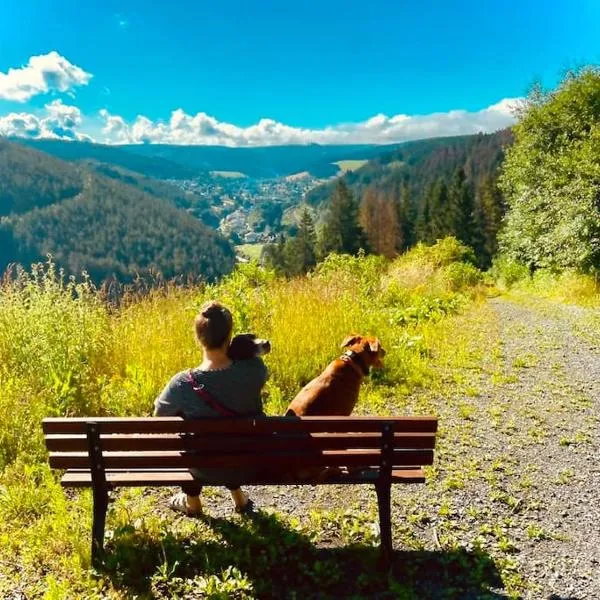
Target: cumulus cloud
[(203, 129), (42, 74), (60, 122)]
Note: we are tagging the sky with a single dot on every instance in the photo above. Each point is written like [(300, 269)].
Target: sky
[(265, 72)]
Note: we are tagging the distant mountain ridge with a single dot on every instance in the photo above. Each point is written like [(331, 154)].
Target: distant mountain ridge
[(164, 161)]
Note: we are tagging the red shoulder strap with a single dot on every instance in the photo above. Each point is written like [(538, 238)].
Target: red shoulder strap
[(201, 392)]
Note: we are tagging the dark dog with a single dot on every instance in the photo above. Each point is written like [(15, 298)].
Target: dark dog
[(335, 391), (246, 345)]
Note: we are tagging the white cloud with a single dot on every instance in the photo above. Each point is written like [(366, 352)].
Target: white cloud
[(42, 74), (60, 122), (203, 129)]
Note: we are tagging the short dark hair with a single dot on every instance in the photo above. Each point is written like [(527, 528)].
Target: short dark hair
[(213, 325)]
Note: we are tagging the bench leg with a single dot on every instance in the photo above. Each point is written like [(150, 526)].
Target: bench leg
[(100, 507), (384, 502)]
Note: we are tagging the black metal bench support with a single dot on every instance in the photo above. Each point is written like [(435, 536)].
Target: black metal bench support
[(99, 490), (383, 487)]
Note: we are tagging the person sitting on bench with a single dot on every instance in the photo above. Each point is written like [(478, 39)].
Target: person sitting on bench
[(218, 387)]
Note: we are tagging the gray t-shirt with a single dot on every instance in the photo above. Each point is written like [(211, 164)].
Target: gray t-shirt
[(237, 387)]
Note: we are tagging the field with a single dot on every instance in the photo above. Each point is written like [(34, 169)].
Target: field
[(350, 165), (228, 174), (507, 510), (251, 251)]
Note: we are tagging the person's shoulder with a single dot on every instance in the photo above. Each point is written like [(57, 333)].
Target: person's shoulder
[(179, 379)]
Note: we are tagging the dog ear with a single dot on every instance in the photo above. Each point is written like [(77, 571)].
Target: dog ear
[(351, 339), (375, 345)]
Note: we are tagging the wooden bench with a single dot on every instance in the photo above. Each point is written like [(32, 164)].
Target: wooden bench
[(106, 453)]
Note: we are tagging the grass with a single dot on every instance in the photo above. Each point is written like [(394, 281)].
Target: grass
[(228, 174), (65, 351), (350, 165), (250, 251)]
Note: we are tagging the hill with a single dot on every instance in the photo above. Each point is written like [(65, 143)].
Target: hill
[(107, 227), (165, 161), (423, 162), (264, 162), (151, 166)]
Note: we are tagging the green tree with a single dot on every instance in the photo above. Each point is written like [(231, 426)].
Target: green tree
[(341, 231), (404, 218), (273, 256), (551, 177), (439, 208), (300, 251), (423, 224), (461, 223), (488, 218)]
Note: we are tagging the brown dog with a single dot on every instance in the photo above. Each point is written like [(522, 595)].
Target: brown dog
[(335, 390)]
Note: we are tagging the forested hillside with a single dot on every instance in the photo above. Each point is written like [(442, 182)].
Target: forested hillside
[(423, 191), (89, 222), (152, 166), (168, 161)]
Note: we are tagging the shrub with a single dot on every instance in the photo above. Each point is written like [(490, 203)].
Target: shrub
[(506, 271)]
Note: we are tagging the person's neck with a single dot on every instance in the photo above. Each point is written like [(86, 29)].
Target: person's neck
[(215, 358)]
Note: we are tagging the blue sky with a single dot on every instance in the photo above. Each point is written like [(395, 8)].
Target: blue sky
[(260, 72)]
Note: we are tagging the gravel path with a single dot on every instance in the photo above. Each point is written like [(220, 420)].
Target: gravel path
[(560, 392), (515, 483)]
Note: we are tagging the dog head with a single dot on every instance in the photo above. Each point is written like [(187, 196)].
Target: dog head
[(368, 348), (246, 345)]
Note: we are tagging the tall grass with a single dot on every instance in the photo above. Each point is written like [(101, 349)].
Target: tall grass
[(64, 351), (568, 286)]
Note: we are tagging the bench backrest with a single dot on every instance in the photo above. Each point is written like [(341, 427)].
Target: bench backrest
[(174, 443)]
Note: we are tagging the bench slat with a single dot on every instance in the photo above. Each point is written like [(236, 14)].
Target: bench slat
[(224, 444), (239, 425), (175, 478), (354, 458)]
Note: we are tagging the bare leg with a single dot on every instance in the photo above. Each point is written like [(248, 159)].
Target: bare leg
[(194, 504), (240, 499)]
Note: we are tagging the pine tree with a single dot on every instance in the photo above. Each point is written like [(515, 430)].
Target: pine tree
[(405, 218), (423, 224), (461, 218), (274, 256), (488, 216), (342, 232), (300, 251), (439, 211)]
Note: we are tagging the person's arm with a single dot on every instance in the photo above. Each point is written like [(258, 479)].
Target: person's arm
[(167, 404)]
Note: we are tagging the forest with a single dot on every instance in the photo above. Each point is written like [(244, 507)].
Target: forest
[(103, 226), (420, 192)]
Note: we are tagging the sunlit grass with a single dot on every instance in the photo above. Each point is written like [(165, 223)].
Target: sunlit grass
[(64, 351)]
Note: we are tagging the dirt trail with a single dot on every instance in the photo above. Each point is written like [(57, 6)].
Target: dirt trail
[(516, 479), (559, 393)]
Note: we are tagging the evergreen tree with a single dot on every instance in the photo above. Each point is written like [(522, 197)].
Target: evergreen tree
[(274, 255), (460, 217), (439, 211), (488, 217), (341, 231), (405, 218), (300, 252), (423, 224)]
